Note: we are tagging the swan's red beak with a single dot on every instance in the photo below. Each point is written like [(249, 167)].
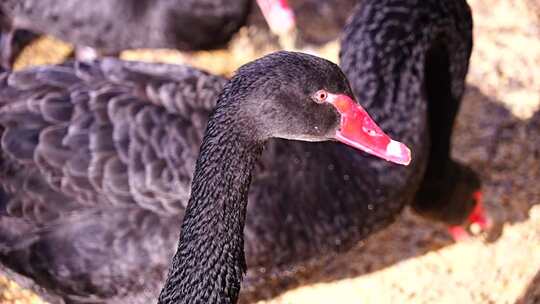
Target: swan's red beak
[(278, 14), (359, 130)]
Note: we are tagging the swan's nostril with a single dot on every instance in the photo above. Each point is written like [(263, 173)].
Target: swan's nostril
[(372, 132)]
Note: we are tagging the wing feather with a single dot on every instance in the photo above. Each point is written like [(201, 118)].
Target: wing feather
[(105, 133)]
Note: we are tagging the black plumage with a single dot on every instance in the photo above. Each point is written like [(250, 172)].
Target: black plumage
[(79, 195), (410, 69), (106, 176), (110, 27)]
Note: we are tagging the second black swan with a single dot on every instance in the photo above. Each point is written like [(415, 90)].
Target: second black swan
[(103, 27)]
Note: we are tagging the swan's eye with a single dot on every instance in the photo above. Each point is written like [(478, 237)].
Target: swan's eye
[(320, 96)]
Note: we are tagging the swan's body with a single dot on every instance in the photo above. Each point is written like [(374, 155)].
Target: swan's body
[(113, 26), (104, 27), (306, 199), (65, 213)]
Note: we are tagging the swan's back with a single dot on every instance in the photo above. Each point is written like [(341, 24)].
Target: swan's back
[(95, 165)]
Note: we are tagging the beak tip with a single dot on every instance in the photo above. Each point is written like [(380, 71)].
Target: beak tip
[(399, 152), (357, 129), (409, 156)]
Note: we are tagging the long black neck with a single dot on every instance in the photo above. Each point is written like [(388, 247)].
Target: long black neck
[(209, 263)]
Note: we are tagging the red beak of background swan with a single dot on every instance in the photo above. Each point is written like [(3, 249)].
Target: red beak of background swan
[(357, 129), (278, 14)]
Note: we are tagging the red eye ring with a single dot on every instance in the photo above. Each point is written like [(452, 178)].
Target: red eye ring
[(320, 96)]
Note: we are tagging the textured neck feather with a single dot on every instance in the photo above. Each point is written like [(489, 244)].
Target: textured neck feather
[(209, 263)]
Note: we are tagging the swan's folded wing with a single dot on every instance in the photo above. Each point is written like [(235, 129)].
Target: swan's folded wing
[(105, 133), (112, 255)]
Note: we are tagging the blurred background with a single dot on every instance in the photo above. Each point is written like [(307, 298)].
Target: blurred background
[(498, 134)]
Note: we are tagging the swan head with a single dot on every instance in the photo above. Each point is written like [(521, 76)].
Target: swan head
[(298, 96)]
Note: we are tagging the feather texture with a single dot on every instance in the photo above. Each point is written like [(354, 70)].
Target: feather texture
[(96, 162), (97, 159)]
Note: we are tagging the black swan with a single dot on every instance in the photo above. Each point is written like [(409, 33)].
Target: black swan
[(97, 158), (108, 27), (407, 62), (83, 234), (284, 95)]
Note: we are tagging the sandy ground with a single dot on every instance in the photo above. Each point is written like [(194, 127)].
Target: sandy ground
[(414, 261)]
